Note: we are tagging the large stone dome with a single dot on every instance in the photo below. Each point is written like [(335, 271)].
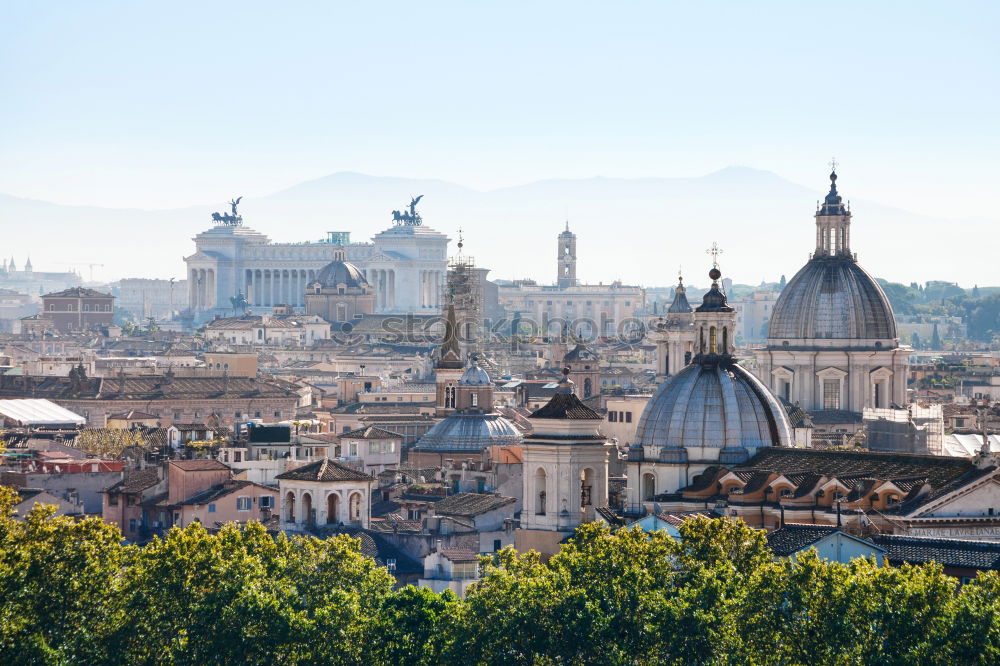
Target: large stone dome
[(338, 273), (832, 297), (712, 410), (469, 432)]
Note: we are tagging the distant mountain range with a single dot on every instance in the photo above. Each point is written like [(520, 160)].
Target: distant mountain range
[(638, 230)]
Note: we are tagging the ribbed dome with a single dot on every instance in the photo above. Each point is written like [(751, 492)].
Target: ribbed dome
[(715, 405), (338, 273), (475, 376), (832, 298), (469, 432)]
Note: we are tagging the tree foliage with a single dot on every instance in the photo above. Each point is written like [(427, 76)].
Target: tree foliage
[(72, 592)]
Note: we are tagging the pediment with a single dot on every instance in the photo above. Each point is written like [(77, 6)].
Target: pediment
[(200, 256), (381, 257), (831, 372), (972, 500)]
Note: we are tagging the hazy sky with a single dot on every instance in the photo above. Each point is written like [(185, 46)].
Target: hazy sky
[(165, 104)]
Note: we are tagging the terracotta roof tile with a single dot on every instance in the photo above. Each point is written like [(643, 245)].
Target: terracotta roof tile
[(324, 470)]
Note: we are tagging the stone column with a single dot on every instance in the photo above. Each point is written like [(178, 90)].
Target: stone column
[(392, 289)]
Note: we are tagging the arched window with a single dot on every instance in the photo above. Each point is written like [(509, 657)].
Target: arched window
[(540, 485), (648, 486), (587, 387), (332, 508), (308, 513), (475, 399), (354, 508), (725, 340), (712, 341), (449, 397), (290, 507), (586, 487)]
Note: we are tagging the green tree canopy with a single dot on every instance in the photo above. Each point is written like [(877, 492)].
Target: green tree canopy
[(72, 592)]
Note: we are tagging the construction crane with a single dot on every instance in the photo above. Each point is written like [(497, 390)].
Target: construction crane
[(72, 263)]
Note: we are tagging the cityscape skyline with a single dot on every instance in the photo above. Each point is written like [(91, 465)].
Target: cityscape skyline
[(740, 206)]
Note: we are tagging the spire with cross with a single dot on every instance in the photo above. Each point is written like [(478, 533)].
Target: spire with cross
[(715, 251)]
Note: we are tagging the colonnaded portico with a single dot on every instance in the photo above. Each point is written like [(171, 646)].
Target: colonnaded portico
[(406, 264)]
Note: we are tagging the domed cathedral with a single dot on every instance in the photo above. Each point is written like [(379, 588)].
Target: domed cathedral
[(340, 291), (674, 335), (465, 400), (832, 347), (711, 412)]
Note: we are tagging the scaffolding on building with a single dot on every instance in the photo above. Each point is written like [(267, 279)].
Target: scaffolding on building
[(463, 290), (912, 430)]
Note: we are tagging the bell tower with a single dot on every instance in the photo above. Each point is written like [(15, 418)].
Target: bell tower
[(567, 258), (565, 467), (449, 367), (674, 335)]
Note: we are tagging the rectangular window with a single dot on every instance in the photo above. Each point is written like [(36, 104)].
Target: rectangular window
[(628, 417), (612, 417), (242, 503), (277, 415), (211, 508), (831, 394), (266, 502), (353, 450), (496, 545), (131, 524)]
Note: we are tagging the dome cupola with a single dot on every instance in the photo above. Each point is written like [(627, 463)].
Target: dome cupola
[(713, 410), (832, 297), (680, 303), (341, 273)]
